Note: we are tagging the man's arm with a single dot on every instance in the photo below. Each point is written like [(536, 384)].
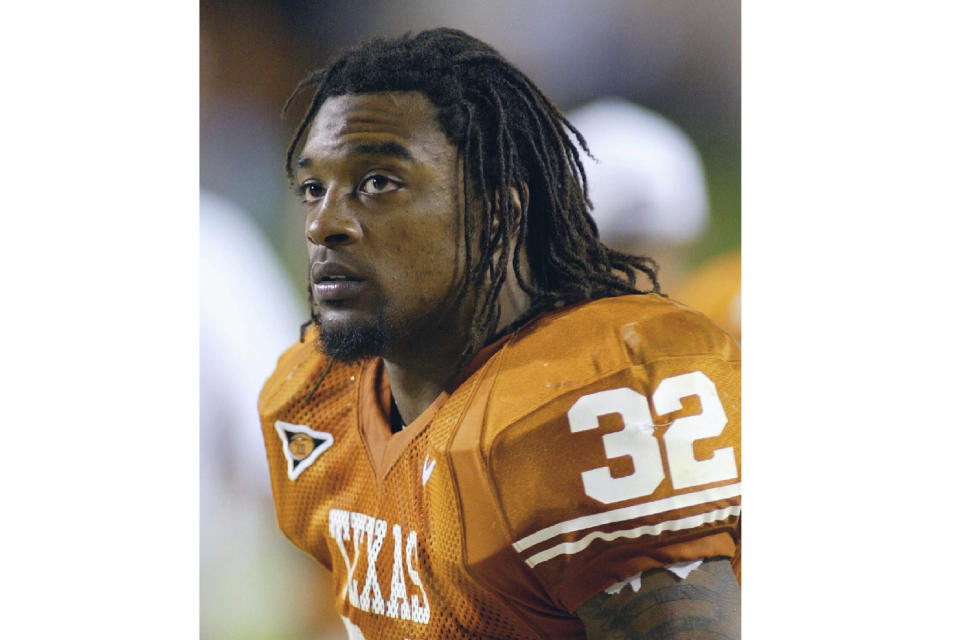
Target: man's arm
[(705, 605)]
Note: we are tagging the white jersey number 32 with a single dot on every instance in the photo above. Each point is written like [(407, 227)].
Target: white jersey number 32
[(637, 441)]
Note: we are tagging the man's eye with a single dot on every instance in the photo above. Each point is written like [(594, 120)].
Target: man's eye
[(311, 191), (377, 184)]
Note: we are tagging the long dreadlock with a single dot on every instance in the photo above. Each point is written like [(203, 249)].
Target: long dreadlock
[(510, 135)]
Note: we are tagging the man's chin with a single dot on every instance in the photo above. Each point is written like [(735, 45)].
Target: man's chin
[(352, 341)]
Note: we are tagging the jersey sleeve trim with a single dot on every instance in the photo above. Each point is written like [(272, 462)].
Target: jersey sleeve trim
[(620, 564), (690, 522), (671, 503)]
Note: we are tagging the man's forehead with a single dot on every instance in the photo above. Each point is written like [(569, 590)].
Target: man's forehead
[(401, 124), (399, 110)]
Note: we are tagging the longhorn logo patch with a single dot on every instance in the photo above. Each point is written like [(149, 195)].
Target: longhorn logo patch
[(301, 446)]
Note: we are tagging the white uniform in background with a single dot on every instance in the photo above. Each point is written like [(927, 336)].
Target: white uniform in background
[(252, 582), (648, 182)]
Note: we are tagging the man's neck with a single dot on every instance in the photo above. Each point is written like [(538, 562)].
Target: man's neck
[(417, 377), (415, 389)]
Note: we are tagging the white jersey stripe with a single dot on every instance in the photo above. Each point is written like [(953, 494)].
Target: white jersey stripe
[(629, 513), (569, 548)]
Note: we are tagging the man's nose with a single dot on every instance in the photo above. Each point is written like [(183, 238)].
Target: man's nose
[(331, 224)]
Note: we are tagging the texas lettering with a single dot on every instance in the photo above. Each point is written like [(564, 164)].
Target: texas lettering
[(367, 537)]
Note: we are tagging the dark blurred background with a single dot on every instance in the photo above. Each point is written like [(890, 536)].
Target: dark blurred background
[(677, 58)]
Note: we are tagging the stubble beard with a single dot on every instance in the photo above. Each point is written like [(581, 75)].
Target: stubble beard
[(372, 337), (354, 341)]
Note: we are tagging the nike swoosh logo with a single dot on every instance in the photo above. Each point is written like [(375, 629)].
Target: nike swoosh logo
[(428, 465)]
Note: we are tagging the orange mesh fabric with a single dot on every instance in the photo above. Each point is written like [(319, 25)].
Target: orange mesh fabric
[(343, 479), (474, 522)]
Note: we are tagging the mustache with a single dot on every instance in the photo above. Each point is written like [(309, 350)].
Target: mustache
[(326, 269)]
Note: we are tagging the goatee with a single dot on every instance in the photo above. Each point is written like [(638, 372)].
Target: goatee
[(354, 341)]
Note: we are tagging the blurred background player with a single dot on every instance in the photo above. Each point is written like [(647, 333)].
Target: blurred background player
[(647, 184), (649, 192), (714, 289)]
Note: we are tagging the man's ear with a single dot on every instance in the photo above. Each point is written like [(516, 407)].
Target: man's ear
[(520, 197)]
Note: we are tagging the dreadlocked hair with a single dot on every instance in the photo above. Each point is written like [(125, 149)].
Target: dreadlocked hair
[(509, 135)]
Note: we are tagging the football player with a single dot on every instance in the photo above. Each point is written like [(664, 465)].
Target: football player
[(493, 426)]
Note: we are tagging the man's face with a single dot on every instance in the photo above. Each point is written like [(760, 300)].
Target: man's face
[(380, 183)]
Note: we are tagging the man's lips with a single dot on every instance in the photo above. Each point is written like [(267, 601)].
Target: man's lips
[(334, 281)]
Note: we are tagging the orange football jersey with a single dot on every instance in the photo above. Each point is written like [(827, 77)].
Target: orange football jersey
[(594, 443)]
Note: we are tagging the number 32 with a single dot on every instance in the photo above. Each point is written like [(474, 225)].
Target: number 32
[(637, 441)]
